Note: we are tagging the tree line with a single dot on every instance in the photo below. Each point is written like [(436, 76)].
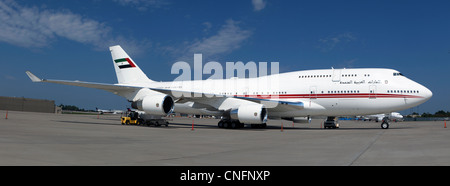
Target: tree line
[(439, 113), (73, 108)]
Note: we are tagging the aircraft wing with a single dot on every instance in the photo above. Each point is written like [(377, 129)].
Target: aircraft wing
[(121, 90), (213, 100)]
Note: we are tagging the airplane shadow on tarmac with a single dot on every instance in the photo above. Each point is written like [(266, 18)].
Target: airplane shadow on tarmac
[(270, 127), (203, 126), (84, 122)]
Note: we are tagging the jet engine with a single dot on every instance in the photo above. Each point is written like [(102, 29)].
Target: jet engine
[(155, 104), (250, 114)]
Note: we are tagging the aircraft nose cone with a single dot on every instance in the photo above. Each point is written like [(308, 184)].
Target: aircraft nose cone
[(427, 93)]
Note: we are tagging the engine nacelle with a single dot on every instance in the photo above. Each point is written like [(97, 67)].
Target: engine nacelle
[(250, 114), (155, 104)]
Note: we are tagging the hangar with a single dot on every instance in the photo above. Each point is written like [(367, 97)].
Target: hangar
[(27, 104)]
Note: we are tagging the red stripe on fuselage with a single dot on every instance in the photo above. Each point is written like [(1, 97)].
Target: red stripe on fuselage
[(308, 96)]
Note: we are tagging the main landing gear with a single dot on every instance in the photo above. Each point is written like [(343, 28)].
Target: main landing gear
[(230, 124), (235, 124), (385, 123)]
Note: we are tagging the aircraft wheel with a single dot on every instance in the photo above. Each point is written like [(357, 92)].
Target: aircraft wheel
[(234, 125), (226, 124), (220, 124), (384, 125)]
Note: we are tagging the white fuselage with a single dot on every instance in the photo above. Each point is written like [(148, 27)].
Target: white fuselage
[(331, 92)]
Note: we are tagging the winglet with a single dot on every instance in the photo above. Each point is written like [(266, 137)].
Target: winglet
[(33, 77)]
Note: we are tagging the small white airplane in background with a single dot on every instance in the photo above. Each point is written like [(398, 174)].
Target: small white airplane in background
[(299, 96), (102, 111), (393, 116)]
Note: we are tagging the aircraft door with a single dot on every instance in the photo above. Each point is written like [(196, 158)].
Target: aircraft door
[(372, 92), (313, 92), (336, 75)]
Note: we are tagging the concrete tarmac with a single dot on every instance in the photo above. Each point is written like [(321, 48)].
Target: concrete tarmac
[(67, 139)]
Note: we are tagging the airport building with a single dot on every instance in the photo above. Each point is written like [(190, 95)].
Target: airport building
[(27, 104)]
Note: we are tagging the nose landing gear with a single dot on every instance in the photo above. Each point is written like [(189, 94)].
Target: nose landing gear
[(385, 123)]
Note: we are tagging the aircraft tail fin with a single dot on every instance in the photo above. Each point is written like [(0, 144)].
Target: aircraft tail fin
[(127, 71)]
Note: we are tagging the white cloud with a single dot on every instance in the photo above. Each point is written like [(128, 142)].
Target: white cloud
[(31, 27), (228, 38), (330, 42), (208, 27), (258, 5)]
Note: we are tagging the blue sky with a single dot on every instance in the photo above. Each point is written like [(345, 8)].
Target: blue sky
[(64, 39)]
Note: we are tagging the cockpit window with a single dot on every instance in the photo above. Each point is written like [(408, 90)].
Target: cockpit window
[(398, 74)]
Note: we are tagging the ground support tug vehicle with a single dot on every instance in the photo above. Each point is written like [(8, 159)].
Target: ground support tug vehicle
[(140, 118)]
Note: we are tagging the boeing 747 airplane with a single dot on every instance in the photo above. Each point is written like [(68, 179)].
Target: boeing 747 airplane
[(298, 96)]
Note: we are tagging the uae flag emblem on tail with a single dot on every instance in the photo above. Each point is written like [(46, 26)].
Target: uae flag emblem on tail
[(124, 63)]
